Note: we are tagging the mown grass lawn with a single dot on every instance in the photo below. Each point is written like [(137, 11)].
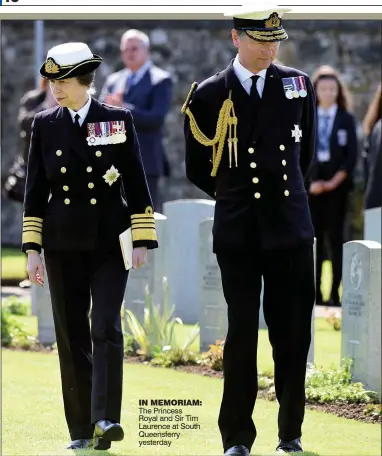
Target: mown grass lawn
[(13, 264), (33, 420), (327, 342)]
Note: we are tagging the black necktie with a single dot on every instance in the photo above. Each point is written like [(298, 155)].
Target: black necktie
[(77, 122), (254, 94)]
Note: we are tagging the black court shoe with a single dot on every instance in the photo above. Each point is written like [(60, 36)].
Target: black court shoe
[(237, 450), (106, 430), (80, 444), (293, 446)]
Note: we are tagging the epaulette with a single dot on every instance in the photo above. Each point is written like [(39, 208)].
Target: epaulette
[(226, 120), (194, 86)]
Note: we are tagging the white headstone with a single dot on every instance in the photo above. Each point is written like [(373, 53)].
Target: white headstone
[(372, 224), (361, 311), (41, 301), (182, 254), (211, 301), (150, 274)]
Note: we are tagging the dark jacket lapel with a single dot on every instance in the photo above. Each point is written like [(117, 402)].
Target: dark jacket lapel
[(78, 137), (241, 103), (269, 104)]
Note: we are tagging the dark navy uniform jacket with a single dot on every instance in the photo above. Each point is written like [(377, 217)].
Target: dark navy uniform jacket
[(263, 202), (68, 204)]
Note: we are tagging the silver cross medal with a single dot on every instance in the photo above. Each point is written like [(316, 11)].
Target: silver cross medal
[(296, 133)]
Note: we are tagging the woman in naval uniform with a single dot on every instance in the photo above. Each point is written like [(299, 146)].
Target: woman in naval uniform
[(85, 185)]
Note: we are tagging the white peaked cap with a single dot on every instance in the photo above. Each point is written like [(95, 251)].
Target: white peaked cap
[(257, 10), (70, 53)]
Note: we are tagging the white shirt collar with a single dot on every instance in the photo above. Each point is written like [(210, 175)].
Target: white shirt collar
[(243, 74), (83, 112), (331, 112)]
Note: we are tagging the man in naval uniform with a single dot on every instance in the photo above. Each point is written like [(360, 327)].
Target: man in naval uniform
[(85, 186), (250, 135)]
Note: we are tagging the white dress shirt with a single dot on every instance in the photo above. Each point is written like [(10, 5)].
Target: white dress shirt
[(245, 75), (83, 112)]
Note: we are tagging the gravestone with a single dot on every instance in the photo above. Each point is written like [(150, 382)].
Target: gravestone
[(150, 274), (42, 303), (361, 311), (211, 302), (263, 325), (372, 224), (182, 254)]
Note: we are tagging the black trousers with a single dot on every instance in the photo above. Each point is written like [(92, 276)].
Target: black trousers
[(91, 357), (288, 303), (328, 212)]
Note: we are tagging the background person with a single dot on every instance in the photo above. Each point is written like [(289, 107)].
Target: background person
[(332, 174), (146, 91)]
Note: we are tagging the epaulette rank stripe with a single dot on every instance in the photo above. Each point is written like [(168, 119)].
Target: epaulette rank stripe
[(227, 120), (31, 236), (33, 219), (143, 234)]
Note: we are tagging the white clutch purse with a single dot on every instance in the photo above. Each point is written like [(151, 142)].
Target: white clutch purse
[(126, 241)]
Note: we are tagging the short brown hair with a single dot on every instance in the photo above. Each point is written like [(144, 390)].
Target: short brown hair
[(344, 100), (87, 80)]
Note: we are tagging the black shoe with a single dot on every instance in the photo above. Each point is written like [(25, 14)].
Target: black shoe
[(293, 446), (102, 444), (108, 431), (238, 450), (80, 444)]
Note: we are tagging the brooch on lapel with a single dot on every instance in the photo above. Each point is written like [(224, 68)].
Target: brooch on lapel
[(101, 133), (296, 133), (294, 87), (111, 175)]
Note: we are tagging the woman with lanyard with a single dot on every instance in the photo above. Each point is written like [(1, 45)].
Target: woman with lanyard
[(336, 155)]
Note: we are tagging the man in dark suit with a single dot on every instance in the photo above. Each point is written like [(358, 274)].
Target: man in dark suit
[(259, 119), (85, 186), (146, 91)]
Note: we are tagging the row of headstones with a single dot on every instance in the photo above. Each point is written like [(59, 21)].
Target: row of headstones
[(185, 257)]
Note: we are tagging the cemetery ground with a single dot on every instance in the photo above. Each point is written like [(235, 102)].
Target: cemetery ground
[(34, 423), (328, 388)]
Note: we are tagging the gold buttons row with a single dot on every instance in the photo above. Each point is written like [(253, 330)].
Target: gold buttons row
[(89, 169), (92, 201), (66, 188), (59, 153)]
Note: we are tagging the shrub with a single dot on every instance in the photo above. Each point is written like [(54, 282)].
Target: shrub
[(156, 335), (16, 306), (214, 357), (13, 334), (336, 385)]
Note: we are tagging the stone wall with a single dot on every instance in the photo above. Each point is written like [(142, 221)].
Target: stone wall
[(192, 51)]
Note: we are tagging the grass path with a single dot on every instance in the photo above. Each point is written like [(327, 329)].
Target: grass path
[(33, 418)]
